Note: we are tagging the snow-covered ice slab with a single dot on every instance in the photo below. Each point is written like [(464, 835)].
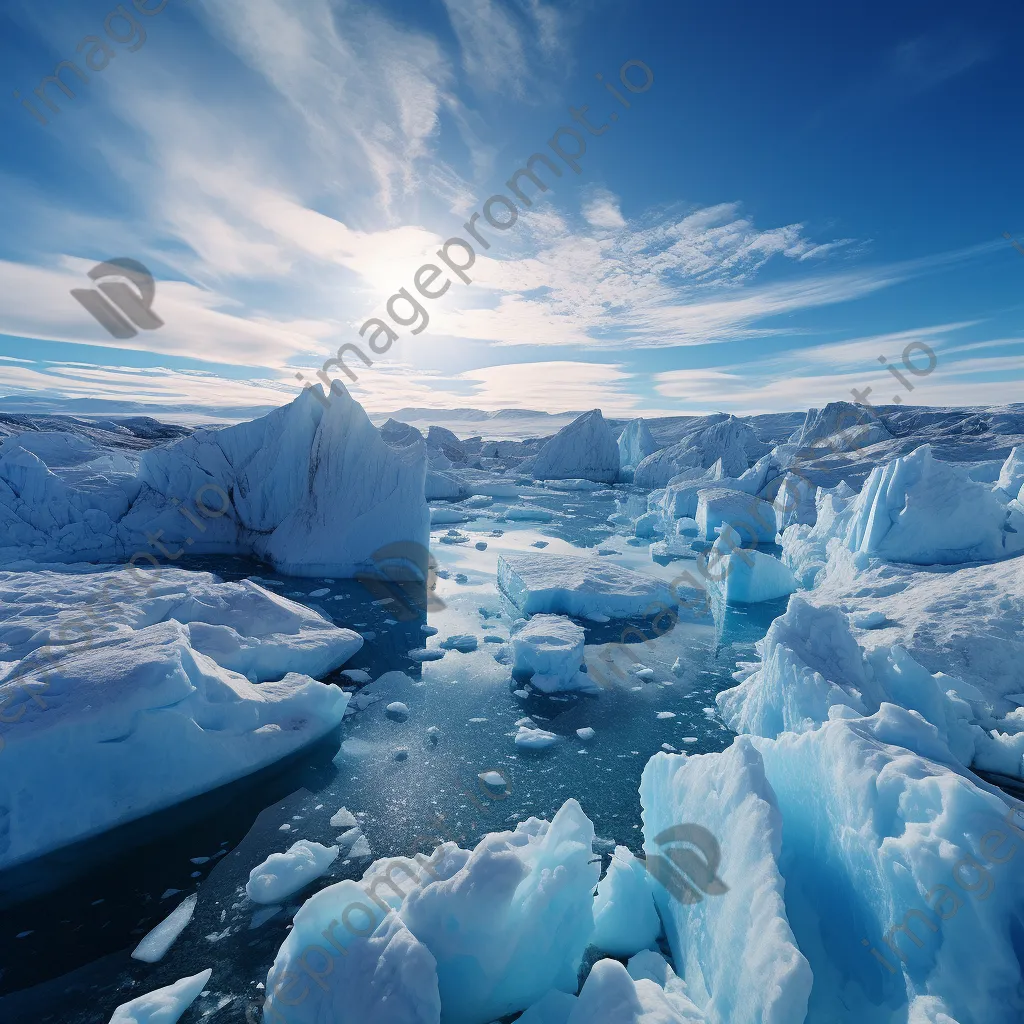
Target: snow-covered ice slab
[(149, 708), (474, 935), (580, 587), (313, 490), (725, 919), (548, 650)]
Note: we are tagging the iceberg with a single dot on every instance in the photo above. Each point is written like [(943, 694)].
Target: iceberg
[(748, 516), (163, 1005), (729, 440), (580, 587), (283, 874), (746, 576), (466, 936), (636, 442), (548, 652), (625, 918), (919, 510), (723, 908), (584, 450), (811, 662), (124, 700), (311, 488), (899, 869)]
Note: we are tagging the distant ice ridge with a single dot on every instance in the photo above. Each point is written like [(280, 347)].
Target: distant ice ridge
[(914, 509), (177, 684), (312, 490), (730, 440)]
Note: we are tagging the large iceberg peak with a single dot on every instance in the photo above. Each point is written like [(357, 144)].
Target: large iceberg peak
[(585, 449)]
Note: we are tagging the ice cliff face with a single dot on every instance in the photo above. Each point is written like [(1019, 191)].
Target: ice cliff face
[(636, 442), (313, 490)]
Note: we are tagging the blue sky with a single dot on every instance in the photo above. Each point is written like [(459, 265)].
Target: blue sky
[(800, 191)]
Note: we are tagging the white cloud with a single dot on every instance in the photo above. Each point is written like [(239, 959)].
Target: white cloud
[(767, 386), (601, 210)]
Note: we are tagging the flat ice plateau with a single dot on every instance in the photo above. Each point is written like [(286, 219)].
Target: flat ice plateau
[(715, 719)]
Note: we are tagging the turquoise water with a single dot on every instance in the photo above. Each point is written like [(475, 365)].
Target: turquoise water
[(75, 965)]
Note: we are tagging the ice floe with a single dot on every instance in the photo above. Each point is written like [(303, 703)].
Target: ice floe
[(580, 587), (122, 707)]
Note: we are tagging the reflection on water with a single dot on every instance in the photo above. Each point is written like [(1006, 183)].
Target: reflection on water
[(404, 779)]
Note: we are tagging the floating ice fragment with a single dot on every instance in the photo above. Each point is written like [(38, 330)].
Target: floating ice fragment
[(155, 945)]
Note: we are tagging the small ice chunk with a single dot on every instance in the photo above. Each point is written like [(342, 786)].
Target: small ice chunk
[(401, 754), (343, 819), (163, 1005), (427, 654), (534, 739), (357, 675), (320, 593), (462, 642), (666, 714), (428, 630), (493, 779), (678, 668), (361, 849), (348, 839), (155, 945), (481, 545), (283, 874), (586, 733), (397, 710)]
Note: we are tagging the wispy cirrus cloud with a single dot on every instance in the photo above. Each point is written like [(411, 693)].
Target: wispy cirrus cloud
[(500, 42)]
